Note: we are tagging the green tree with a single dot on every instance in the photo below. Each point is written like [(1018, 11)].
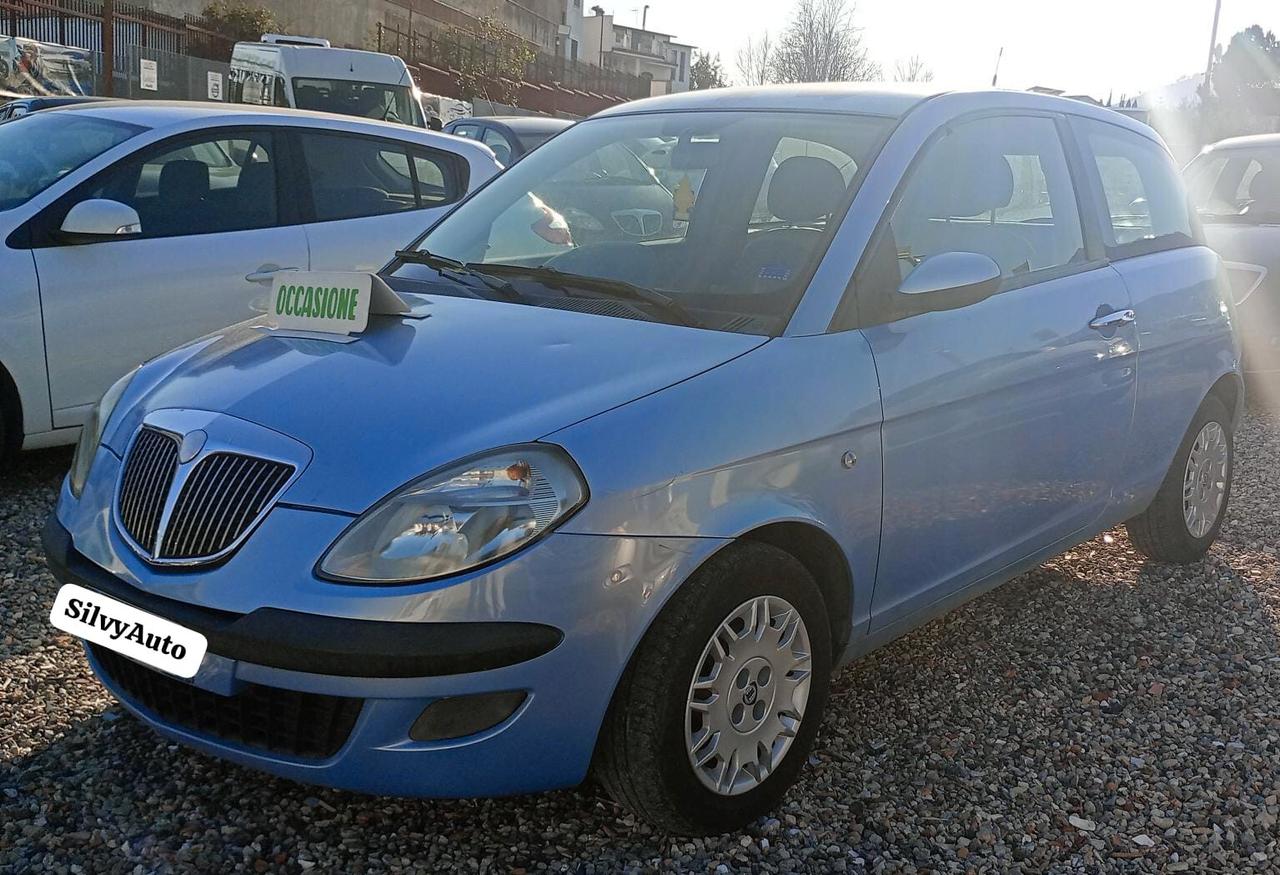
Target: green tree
[(241, 20), (490, 61), (707, 72), (1245, 90)]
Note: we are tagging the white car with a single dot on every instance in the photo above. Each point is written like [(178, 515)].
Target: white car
[(130, 228)]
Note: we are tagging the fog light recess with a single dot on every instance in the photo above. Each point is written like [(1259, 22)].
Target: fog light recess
[(460, 716)]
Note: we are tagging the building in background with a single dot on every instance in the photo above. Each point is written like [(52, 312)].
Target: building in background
[(572, 30), (648, 54)]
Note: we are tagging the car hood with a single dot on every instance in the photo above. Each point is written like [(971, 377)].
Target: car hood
[(411, 395)]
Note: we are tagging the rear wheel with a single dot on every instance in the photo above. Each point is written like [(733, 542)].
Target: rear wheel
[(1184, 519), (716, 712)]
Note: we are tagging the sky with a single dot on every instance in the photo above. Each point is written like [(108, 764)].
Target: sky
[(1096, 47)]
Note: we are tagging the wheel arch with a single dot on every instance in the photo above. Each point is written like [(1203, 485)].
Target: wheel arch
[(822, 557), (11, 419), (1229, 389)]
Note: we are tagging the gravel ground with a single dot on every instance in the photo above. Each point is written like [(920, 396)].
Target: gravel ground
[(1100, 714)]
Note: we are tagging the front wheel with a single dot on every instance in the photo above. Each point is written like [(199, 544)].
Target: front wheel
[(1184, 519), (716, 712)]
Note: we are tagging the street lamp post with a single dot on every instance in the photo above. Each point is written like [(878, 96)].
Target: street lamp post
[(1213, 44), (599, 11)]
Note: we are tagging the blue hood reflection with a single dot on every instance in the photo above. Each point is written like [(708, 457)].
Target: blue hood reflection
[(411, 395)]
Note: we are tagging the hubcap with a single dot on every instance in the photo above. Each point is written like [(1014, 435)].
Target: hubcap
[(748, 695), (1204, 485)]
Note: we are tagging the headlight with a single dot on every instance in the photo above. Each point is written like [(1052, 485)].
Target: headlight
[(467, 515), (91, 434)]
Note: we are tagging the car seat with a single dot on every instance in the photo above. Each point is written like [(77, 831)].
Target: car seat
[(803, 193)]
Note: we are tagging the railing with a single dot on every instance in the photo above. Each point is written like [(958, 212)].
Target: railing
[(447, 51), (82, 23)]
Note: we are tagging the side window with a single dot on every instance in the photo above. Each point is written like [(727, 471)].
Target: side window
[(471, 132), (438, 181), (354, 177), (224, 183), (1000, 187), (1148, 209), (500, 145)]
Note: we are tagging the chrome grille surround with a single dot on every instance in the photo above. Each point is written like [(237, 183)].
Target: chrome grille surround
[(178, 509)]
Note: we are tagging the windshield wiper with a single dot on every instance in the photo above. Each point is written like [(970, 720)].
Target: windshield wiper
[(457, 270), (613, 288)]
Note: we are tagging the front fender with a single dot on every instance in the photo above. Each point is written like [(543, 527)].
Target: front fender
[(765, 438)]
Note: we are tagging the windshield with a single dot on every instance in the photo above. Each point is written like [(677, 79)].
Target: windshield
[(391, 103), (1240, 185), (714, 219), (47, 146)]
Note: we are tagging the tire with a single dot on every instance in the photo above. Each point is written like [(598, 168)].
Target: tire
[(643, 759), (1164, 531)]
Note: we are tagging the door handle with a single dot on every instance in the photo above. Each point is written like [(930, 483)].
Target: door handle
[(267, 274), (1114, 319)]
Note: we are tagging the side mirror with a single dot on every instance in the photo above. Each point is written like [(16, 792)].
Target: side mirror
[(968, 276), (93, 221)]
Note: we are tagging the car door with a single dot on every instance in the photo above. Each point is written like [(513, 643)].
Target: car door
[(1006, 418), (371, 196), (213, 228), (1184, 336)]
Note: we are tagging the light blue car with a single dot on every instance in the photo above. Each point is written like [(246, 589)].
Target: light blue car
[(620, 509)]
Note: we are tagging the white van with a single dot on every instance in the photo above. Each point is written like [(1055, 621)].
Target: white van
[(308, 73)]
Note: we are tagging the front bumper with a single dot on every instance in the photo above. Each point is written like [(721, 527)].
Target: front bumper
[(554, 623)]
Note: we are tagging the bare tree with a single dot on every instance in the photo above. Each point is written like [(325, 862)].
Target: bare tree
[(821, 44), (913, 69), (755, 60)]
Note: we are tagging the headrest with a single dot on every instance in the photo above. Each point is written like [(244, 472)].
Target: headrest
[(184, 181), (984, 183), (259, 176), (805, 189), (1264, 189)]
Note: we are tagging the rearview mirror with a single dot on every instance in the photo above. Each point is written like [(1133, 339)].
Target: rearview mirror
[(969, 276), (93, 221)]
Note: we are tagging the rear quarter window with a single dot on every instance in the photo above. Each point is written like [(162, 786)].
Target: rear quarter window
[(1147, 207)]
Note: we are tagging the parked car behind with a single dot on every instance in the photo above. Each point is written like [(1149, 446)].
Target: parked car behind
[(1235, 185), (23, 106), (131, 227), (510, 137), (307, 73), (624, 507)]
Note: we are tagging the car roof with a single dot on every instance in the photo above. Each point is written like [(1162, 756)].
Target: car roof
[(161, 114), (529, 124), (1250, 141), (862, 99), (330, 62), (823, 97)]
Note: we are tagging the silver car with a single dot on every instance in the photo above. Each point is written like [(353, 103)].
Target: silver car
[(130, 228), (1235, 185)]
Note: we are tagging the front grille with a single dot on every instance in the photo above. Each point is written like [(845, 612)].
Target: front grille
[(144, 487), (303, 725), (221, 498), (218, 499)]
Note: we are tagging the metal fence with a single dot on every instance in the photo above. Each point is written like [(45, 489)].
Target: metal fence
[(106, 26), (139, 72), (449, 50)]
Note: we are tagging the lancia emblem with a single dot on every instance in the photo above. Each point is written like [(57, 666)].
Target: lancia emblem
[(192, 443)]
